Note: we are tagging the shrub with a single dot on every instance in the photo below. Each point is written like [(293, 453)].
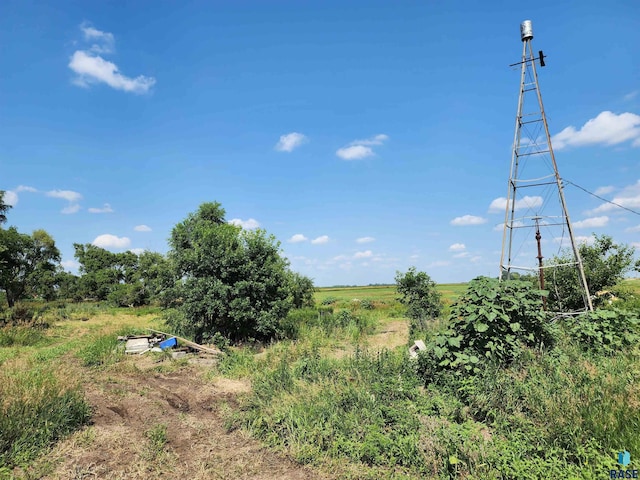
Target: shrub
[(605, 331), (418, 293), (489, 323)]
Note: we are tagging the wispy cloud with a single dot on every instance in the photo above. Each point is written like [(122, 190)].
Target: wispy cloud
[(630, 96), (90, 68), (499, 205), (70, 209), (105, 209), (142, 228), (467, 220), (320, 240), (594, 222), (365, 240), (68, 195), (104, 41), (26, 188), (111, 241), (461, 255), (297, 238), (604, 190), (456, 247), (605, 129), (249, 224), (365, 254), (439, 263), (359, 149), (375, 140), (628, 197), (291, 141)]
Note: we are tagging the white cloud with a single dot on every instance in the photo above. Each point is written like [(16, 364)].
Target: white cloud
[(606, 129), (68, 195), (456, 247), (70, 209), (359, 149), (566, 241), (500, 203), (365, 254), (630, 96), (91, 68), (635, 244), (10, 198), (320, 240), (297, 238), (629, 197), (290, 141), (461, 255), (249, 224), (105, 209), (355, 152), (25, 188), (468, 220), (95, 69), (142, 228), (633, 229), (105, 42), (70, 264), (604, 190), (375, 140), (365, 240), (594, 222), (137, 251), (111, 241)]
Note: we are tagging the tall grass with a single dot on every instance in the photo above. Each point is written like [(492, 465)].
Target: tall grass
[(37, 407)]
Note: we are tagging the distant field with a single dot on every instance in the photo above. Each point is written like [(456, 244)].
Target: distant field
[(449, 291)]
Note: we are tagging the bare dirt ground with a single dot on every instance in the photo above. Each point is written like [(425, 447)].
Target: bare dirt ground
[(148, 423)]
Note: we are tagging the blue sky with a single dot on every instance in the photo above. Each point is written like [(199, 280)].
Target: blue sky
[(366, 136)]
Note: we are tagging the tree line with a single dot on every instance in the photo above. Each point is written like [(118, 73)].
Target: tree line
[(216, 277)]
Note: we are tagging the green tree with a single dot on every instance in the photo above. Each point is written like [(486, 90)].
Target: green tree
[(418, 292), (28, 264), (4, 208), (605, 265), (301, 289), (232, 281)]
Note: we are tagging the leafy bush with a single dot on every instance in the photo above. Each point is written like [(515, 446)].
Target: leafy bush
[(127, 295), (330, 300), (418, 293), (367, 304), (605, 265), (232, 281), (605, 331), (489, 323)]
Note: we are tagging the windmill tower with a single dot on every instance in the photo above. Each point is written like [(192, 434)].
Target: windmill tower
[(535, 208)]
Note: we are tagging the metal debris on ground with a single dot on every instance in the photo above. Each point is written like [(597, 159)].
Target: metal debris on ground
[(417, 346), (160, 341)]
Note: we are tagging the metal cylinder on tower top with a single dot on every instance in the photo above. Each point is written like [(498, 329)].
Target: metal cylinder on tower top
[(526, 30)]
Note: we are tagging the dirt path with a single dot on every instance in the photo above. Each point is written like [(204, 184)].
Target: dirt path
[(148, 424)]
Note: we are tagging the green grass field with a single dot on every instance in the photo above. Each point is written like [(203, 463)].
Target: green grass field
[(387, 293)]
